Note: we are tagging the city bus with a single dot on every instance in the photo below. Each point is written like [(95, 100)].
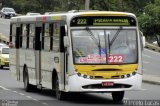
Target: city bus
[(77, 51)]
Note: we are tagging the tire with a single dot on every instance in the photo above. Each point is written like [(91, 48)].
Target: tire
[(27, 86), (59, 94), (118, 96), (1, 67)]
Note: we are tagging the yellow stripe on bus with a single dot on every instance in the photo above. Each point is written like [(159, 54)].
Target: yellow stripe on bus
[(56, 17), (106, 71), (104, 14)]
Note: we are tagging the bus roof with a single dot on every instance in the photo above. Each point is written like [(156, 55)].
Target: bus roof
[(68, 15)]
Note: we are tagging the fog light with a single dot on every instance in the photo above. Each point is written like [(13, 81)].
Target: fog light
[(134, 73), (122, 76), (128, 75), (79, 74), (91, 77), (84, 76)]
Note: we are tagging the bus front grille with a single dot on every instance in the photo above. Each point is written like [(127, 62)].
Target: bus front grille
[(99, 86)]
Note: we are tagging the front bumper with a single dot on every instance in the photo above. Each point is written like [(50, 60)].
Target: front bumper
[(9, 15), (4, 63), (80, 84)]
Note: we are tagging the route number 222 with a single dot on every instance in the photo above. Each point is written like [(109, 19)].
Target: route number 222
[(115, 59)]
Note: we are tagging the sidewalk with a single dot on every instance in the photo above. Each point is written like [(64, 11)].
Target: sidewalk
[(153, 79)]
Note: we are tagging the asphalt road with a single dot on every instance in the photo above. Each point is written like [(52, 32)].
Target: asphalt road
[(13, 91), (151, 62)]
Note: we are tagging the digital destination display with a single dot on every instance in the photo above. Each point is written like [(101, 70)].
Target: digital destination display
[(103, 21)]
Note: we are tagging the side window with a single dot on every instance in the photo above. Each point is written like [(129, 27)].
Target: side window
[(47, 37), (13, 35), (20, 39), (31, 35), (24, 36), (56, 36)]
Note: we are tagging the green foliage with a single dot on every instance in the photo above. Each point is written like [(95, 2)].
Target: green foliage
[(23, 6), (145, 23), (150, 21)]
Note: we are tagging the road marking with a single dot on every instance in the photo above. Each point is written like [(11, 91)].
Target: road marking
[(45, 103), (15, 91), (146, 55), (35, 100), (4, 88), (146, 62), (22, 94), (29, 97)]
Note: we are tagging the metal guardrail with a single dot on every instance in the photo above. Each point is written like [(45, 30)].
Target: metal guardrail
[(152, 47)]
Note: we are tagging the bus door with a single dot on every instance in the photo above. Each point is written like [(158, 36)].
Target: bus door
[(37, 48), (17, 45), (14, 50), (63, 57)]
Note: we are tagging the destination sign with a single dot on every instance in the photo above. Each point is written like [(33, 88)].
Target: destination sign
[(103, 21)]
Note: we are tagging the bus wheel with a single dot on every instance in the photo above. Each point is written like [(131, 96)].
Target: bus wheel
[(1, 66), (27, 86), (59, 94), (118, 96)]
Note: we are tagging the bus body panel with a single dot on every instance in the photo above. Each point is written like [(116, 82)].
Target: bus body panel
[(50, 61), (47, 66), (22, 62), (30, 63), (41, 72), (12, 62)]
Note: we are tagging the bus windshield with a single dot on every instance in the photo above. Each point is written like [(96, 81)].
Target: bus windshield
[(113, 46)]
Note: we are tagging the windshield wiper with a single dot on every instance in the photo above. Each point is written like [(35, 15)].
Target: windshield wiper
[(94, 38), (115, 36)]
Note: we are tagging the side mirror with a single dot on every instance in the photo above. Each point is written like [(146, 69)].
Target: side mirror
[(66, 41), (143, 39)]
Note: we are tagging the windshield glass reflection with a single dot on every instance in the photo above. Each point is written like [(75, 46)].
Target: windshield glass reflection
[(94, 46)]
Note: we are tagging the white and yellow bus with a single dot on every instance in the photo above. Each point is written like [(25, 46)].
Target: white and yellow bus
[(94, 51)]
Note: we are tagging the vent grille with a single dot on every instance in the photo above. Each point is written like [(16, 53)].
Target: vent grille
[(99, 86)]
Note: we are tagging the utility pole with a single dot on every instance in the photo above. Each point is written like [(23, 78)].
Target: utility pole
[(0, 3), (87, 2)]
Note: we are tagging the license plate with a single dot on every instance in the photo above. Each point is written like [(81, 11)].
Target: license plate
[(107, 83)]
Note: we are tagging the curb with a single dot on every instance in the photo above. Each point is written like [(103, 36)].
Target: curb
[(152, 47), (152, 79)]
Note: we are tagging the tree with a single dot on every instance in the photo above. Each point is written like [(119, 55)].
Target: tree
[(150, 21)]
